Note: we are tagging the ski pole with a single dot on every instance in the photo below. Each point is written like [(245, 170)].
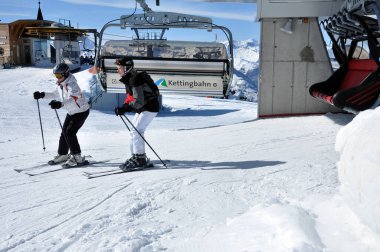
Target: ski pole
[(42, 132), (125, 124), (60, 124), (59, 120), (142, 138)]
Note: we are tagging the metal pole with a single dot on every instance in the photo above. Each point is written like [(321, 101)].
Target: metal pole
[(125, 123), (42, 132), (60, 124), (142, 138)]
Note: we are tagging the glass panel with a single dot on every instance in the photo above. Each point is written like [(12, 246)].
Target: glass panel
[(165, 49)]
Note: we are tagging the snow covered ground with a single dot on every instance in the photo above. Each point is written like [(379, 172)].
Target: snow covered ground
[(233, 183)]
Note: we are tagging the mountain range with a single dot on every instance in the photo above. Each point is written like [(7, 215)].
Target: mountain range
[(246, 75)]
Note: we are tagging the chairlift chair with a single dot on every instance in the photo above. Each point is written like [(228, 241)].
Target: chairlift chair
[(355, 86), (177, 67)]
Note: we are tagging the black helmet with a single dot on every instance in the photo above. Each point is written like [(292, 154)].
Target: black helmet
[(61, 69), (125, 61)]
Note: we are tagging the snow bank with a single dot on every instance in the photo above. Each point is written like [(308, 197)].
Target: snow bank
[(265, 227), (359, 166)]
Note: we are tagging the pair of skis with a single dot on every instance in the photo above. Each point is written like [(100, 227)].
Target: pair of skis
[(29, 170), (89, 174), (97, 174)]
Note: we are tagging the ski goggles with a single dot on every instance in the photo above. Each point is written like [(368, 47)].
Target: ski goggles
[(58, 75)]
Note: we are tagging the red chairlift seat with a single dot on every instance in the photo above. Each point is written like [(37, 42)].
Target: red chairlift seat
[(355, 86)]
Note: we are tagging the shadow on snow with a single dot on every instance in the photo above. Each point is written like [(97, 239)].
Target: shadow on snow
[(207, 165), (184, 112), (192, 112)]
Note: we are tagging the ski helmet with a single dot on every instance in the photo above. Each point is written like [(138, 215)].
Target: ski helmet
[(61, 70)]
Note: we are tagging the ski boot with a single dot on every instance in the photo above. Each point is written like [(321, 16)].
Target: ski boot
[(58, 159), (129, 163), (138, 161), (75, 160), (130, 159), (126, 163)]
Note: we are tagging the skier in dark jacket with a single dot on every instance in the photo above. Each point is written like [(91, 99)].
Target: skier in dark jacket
[(142, 98), (78, 109)]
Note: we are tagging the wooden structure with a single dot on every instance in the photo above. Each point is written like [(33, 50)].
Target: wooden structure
[(40, 43), (17, 49), (4, 44)]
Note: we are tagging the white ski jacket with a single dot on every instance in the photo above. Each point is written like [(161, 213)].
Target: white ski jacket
[(70, 94)]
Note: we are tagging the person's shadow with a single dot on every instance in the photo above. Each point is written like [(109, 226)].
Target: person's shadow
[(207, 165), (192, 112)]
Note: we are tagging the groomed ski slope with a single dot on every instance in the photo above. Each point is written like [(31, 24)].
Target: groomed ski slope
[(233, 183)]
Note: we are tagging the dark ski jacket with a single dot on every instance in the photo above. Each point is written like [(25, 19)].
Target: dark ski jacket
[(142, 92)]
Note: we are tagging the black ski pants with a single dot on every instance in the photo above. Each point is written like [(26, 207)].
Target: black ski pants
[(68, 140)]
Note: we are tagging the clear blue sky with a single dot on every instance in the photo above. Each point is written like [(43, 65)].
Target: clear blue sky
[(238, 17)]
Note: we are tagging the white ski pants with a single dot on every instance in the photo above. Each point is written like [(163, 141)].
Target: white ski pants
[(141, 122)]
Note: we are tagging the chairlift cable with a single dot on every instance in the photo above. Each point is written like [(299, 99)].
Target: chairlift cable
[(117, 35)]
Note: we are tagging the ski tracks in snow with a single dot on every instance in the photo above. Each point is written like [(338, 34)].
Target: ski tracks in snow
[(73, 237), (92, 228), (140, 222)]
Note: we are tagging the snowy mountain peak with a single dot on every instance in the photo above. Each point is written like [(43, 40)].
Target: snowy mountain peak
[(246, 63), (246, 43), (87, 47)]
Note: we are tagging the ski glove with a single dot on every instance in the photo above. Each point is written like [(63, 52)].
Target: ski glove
[(120, 111), (38, 95), (128, 108), (55, 104)]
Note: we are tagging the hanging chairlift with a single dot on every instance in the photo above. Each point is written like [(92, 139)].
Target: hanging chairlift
[(355, 86), (177, 67)]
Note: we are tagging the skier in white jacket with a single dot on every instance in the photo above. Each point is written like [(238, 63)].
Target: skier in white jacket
[(70, 98)]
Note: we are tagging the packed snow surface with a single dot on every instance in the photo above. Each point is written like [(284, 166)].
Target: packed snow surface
[(233, 183)]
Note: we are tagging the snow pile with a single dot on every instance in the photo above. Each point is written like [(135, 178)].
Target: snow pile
[(359, 166), (265, 227)]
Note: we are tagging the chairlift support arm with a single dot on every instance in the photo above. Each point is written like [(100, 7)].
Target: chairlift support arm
[(144, 5)]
